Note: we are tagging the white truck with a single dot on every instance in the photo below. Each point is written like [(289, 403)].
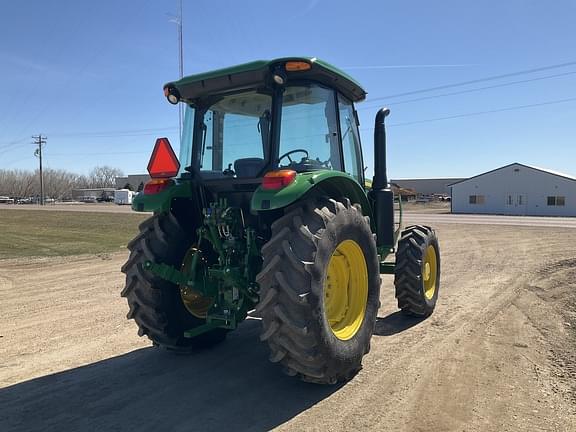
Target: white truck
[(123, 196)]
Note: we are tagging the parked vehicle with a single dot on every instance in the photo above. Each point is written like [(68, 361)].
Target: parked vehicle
[(123, 196)]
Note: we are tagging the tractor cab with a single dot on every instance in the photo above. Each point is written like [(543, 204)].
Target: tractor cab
[(293, 114)]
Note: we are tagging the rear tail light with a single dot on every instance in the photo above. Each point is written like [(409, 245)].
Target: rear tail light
[(275, 180), (157, 185)]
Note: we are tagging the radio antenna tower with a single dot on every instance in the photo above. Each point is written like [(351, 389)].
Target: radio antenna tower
[(178, 20)]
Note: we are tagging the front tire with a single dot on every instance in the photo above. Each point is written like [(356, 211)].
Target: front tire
[(320, 289), (417, 272), (155, 304)]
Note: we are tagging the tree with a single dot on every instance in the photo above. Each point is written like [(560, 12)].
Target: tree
[(128, 186), (103, 177), (58, 183), (18, 183)]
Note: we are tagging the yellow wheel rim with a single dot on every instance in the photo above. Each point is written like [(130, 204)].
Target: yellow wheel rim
[(346, 290), (429, 272), (195, 303)]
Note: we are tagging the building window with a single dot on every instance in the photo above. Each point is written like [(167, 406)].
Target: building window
[(556, 201), (476, 199)]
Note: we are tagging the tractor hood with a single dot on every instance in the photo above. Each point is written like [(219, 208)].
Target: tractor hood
[(258, 73)]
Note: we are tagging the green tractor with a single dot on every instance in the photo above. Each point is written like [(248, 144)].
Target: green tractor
[(269, 215)]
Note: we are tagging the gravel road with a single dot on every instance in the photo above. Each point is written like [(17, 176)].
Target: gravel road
[(477, 219), (497, 355)]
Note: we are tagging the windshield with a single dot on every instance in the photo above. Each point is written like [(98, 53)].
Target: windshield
[(234, 140), (235, 136), (309, 130)]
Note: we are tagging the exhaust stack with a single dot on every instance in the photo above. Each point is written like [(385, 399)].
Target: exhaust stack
[(381, 193), (380, 180)]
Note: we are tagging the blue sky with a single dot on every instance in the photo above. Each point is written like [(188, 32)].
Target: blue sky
[(89, 75)]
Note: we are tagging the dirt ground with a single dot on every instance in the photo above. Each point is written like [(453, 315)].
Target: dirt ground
[(498, 354)]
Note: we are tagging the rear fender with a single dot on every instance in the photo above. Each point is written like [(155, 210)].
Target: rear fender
[(162, 201), (333, 184)]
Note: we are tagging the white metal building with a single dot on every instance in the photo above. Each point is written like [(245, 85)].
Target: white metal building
[(516, 189)]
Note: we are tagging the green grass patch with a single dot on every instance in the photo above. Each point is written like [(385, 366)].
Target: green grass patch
[(27, 233)]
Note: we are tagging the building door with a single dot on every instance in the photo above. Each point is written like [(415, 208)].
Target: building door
[(516, 203)]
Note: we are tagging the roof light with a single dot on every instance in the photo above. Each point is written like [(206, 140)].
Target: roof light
[(172, 94), (279, 75), (163, 162), (279, 79), (275, 180), (295, 66)]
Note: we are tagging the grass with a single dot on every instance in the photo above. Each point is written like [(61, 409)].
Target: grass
[(27, 233)]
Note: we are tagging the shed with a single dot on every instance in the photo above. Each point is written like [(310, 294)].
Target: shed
[(516, 189)]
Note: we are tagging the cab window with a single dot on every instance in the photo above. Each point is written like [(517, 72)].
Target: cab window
[(309, 129), (350, 139), (235, 136)]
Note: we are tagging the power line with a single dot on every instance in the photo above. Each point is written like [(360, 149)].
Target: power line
[(473, 90), (115, 133), (8, 147), (153, 131), (477, 113), (98, 154), (40, 140), (14, 143), (489, 78), (7, 164), (462, 115)]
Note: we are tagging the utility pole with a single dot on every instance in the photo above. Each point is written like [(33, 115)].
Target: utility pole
[(39, 140)]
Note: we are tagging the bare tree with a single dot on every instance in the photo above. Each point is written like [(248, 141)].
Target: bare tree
[(104, 176), (57, 183), (17, 183)]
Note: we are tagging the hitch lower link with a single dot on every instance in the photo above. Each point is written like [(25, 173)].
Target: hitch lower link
[(169, 273), (225, 319)]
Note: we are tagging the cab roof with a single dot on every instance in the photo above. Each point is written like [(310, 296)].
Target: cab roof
[(259, 72)]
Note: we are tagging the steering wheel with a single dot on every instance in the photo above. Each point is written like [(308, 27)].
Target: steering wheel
[(287, 155)]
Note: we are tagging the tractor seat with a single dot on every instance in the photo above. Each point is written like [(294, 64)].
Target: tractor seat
[(248, 167)]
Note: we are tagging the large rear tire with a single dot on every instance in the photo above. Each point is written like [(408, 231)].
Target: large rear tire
[(155, 304), (417, 272), (320, 288)]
